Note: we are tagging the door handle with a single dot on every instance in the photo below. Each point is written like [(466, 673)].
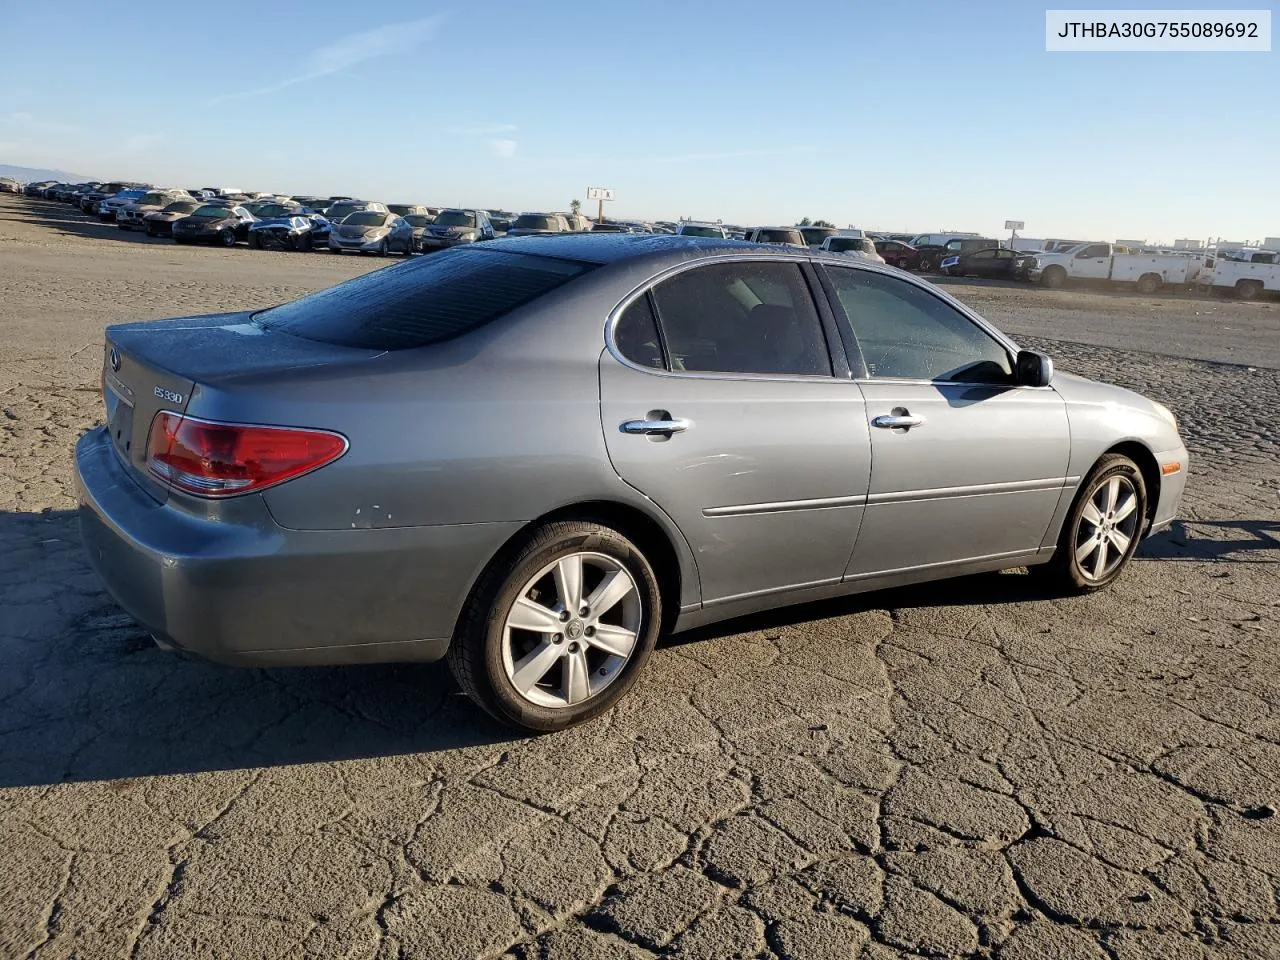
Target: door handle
[(897, 421), (655, 428)]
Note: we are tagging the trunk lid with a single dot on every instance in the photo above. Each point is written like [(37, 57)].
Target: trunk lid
[(160, 365)]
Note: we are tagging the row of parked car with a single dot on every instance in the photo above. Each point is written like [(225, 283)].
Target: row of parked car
[(340, 224)]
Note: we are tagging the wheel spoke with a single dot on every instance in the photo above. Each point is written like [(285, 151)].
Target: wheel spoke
[(1092, 513), (616, 585), (1120, 541), (534, 666), (1100, 563), (1127, 507), (527, 614), (1113, 493), (615, 640), (568, 576), (577, 683), (1085, 550)]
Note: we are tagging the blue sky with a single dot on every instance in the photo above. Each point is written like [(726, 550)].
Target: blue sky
[(910, 116)]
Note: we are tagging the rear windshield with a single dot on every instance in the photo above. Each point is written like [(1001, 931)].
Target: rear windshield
[(842, 244), (689, 230), (423, 301), (779, 236), (532, 221)]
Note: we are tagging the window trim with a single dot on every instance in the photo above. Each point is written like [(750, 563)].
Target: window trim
[(646, 286), (837, 308)]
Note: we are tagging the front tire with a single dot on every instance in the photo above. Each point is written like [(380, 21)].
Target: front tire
[(557, 630), (1102, 531), (1054, 277), (228, 238)]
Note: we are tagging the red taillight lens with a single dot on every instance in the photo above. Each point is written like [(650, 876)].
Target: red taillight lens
[(226, 459)]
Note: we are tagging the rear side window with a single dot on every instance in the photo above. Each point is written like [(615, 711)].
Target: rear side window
[(636, 334), (423, 301), (742, 317)]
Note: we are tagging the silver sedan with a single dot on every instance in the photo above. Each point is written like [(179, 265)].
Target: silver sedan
[(533, 456), (370, 231)]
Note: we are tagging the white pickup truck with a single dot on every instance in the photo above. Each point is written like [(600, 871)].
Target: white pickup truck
[(1248, 278), (1099, 261)]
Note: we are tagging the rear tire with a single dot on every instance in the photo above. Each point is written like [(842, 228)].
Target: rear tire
[(1075, 568), (488, 654), (1054, 277), (1149, 283), (925, 265), (1248, 289)]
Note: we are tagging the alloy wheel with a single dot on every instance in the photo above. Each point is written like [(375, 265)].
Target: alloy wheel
[(1107, 528), (571, 630)]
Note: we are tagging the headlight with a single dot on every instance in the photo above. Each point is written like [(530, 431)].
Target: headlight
[(377, 234), (1166, 414)]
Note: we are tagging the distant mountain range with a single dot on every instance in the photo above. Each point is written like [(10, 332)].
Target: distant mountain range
[(32, 174)]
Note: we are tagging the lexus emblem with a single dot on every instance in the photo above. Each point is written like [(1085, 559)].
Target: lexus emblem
[(114, 359)]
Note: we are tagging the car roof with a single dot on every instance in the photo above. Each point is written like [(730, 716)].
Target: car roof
[(609, 248)]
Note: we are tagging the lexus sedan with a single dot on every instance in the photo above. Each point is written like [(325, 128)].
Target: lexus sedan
[(532, 456), (453, 228)]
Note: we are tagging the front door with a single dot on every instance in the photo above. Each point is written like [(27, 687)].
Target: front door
[(719, 402), (1092, 262), (966, 465)]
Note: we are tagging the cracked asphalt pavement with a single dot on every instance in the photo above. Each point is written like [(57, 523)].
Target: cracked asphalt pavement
[(960, 769)]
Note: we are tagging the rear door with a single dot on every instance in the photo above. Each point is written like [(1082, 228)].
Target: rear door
[(722, 402), (966, 465)]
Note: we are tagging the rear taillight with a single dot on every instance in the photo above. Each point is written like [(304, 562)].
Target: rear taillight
[(226, 459)]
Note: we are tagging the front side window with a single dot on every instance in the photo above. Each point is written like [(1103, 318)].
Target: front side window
[(1094, 250), (907, 333), (743, 317)]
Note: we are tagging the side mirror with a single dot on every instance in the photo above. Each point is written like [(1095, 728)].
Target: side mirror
[(1034, 369)]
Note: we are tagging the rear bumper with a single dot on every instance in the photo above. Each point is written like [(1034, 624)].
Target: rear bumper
[(246, 591)]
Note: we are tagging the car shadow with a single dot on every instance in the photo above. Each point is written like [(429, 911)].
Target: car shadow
[(1010, 586), (1220, 541), (69, 221), (86, 695)]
